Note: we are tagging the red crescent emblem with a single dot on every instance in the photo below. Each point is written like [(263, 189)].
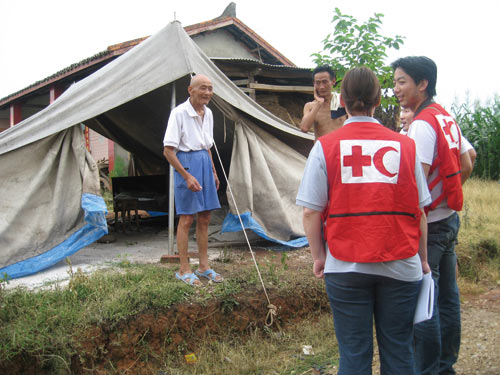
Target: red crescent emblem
[(378, 160)]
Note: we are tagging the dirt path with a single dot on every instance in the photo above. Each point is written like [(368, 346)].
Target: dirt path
[(480, 348), (480, 344)]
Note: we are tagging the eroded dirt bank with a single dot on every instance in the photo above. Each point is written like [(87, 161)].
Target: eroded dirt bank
[(179, 328)]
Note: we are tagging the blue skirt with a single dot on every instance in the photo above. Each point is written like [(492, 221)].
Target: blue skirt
[(187, 202)]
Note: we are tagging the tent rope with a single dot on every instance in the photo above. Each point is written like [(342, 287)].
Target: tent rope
[(272, 311)]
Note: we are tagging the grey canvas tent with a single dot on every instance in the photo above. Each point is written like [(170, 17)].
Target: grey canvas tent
[(50, 205)]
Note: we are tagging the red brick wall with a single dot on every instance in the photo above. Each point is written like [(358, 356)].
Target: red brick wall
[(98, 146)]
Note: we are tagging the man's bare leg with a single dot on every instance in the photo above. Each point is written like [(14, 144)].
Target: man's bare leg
[(202, 221), (183, 226)]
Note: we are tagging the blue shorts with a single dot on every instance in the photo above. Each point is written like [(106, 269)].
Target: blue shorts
[(199, 165)]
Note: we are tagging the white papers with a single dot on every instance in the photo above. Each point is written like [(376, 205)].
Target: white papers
[(425, 302), (335, 103)]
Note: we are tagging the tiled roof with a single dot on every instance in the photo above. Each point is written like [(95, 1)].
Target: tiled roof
[(110, 52), (256, 62), (58, 75), (120, 48)]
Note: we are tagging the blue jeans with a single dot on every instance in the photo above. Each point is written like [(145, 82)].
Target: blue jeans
[(357, 298), (437, 341)]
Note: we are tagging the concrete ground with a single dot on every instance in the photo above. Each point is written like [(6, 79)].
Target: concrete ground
[(144, 245)]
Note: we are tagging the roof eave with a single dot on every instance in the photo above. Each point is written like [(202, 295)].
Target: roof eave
[(218, 23)]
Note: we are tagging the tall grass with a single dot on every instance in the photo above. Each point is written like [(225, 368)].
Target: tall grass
[(481, 126), (478, 248)]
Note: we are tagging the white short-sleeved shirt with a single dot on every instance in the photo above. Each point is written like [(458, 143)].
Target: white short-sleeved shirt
[(313, 194), (187, 131), (467, 144), (426, 141)]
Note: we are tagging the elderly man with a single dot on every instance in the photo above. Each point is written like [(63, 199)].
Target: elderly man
[(187, 143)]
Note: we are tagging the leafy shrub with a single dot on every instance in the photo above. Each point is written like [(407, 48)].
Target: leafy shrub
[(353, 44), (119, 169)]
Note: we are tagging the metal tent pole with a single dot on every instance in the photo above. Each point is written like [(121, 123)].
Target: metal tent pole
[(171, 207)]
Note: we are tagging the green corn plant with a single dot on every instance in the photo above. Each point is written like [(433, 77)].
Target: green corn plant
[(480, 124)]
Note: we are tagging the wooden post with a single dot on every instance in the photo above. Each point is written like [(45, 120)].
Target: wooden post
[(111, 155), (15, 114), (170, 257), (87, 138), (251, 80), (55, 92), (171, 198)]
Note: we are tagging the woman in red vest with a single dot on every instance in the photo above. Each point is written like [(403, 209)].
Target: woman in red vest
[(368, 184)]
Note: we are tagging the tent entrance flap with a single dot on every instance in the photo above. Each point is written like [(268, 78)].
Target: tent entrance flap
[(264, 177)]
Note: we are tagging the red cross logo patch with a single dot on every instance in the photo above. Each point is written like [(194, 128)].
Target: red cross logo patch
[(366, 161), (450, 130)]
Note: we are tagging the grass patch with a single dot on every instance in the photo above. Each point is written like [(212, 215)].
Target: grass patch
[(265, 352), (478, 248), (108, 199), (49, 322)]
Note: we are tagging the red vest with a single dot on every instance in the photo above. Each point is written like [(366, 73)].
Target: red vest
[(448, 156), (373, 209)]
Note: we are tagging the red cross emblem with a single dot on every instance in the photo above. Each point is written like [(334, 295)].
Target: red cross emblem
[(357, 161), (369, 160), (447, 128), (450, 130)]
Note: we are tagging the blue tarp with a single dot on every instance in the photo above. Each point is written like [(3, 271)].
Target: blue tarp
[(157, 213), (95, 227), (232, 224)]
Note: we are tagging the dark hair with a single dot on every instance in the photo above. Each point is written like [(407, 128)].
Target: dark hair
[(360, 90), (324, 68), (419, 68)]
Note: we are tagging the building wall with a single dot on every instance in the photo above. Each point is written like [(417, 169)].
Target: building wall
[(98, 146), (222, 44), (4, 124)]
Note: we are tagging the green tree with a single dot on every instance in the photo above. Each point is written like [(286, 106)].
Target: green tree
[(354, 44)]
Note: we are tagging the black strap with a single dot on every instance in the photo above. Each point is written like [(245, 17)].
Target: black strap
[(373, 214)]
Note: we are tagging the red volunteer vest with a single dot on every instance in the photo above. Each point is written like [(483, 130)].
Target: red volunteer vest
[(373, 210), (448, 156)]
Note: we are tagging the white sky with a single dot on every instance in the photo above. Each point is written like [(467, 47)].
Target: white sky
[(38, 38)]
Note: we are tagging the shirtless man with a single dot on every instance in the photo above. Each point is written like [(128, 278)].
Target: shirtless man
[(323, 114)]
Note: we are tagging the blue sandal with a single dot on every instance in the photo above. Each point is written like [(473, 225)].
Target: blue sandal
[(188, 278), (210, 274)]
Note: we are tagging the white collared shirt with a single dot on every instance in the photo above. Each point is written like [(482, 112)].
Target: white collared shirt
[(187, 131)]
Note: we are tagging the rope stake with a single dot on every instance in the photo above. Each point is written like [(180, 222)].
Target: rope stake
[(272, 310)]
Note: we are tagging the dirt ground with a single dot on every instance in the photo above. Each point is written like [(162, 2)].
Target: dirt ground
[(164, 331), (480, 346)]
